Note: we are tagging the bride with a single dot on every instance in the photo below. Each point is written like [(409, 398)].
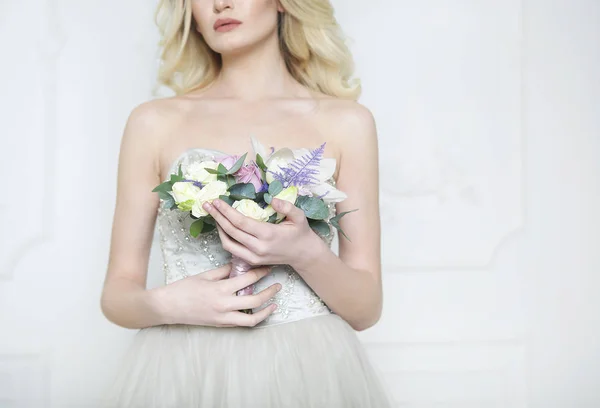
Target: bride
[(278, 70)]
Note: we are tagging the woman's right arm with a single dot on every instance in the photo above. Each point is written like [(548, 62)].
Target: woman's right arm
[(125, 301), (204, 299)]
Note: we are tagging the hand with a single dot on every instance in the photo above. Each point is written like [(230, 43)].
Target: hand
[(263, 243), (209, 299)]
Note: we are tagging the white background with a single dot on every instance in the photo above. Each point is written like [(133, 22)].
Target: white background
[(489, 122)]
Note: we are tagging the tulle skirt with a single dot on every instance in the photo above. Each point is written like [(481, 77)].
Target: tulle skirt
[(316, 362)]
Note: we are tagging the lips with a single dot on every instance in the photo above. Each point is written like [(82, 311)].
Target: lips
[(226, 23)]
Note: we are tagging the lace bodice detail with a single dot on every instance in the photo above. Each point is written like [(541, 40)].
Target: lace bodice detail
[(184, 255)]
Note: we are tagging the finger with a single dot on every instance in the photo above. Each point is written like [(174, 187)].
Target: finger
[(257, 300), (234, 247), (292, 213), (249, 320), (231, 229), (239, 220), (232, 285), (217, 274)]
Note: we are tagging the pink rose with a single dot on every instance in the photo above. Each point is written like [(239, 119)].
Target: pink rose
[(249, 173), (228, 161)]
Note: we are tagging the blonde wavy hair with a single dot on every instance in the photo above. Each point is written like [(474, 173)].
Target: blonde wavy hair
[(311, 42)]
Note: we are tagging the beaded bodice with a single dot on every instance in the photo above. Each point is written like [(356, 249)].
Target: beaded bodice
[(184, 255)]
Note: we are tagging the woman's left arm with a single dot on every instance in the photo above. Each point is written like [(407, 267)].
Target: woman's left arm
[(351, 283)]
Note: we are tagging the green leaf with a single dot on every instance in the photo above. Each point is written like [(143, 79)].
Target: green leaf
[(275, 187), (238, 164), (175, 178), (242, 191), (273, 218), (212, 171), (335, 222), (268, 198), (208, 219), (165, 196), (180, 172), (208, 228), (196, 228), (337, 218), (341, 231), (166, 187), (227, 199), (260, 162), (320, 227), (221, 169), (313, 207), (170, 203), (230, 180)]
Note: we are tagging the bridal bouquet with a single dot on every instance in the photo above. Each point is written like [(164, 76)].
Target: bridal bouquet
[(299, 176)]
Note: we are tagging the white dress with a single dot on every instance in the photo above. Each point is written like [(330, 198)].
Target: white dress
[(302, 356)]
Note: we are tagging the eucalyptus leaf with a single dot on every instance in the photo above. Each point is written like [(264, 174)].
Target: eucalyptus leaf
[(320, 227), (227, 199), (166, 187), (275, 187), (268, 198), (212, 171), (208, 228), (230, 180), (337, 218), (313, 207), (242, 191), (165, 196), (169, 202), (209, 220), (260, 162), (196, 228), (221, 169), (273, 218), (335, 222), (175, 178), (341, 231), (238, 164)]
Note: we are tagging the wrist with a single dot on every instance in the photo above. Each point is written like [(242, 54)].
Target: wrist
[(161, 305), (311, 252)]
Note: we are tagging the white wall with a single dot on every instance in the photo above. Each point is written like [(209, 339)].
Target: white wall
[(488, 115)]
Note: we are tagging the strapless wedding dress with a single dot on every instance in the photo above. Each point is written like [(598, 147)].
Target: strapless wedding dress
[(302, 356)]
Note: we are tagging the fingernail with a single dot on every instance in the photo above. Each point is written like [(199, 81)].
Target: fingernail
[(278, 287), (217, 203)]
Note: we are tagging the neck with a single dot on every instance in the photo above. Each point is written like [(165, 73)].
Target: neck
[(256, 74)]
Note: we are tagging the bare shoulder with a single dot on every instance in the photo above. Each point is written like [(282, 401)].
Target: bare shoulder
[(154, 119), (348, 119)]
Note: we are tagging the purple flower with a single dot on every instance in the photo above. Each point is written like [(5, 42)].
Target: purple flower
[(302, 171), (228, 161), (250, 173)]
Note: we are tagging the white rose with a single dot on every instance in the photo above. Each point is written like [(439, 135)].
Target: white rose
[(196, 171), (251, 209), (185, 194), (287, 194), (208, 194)]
